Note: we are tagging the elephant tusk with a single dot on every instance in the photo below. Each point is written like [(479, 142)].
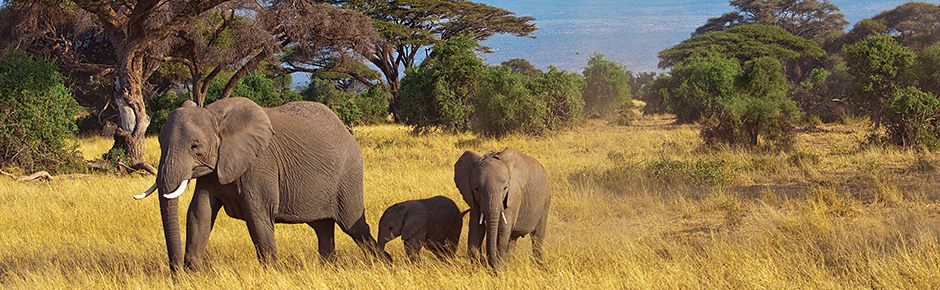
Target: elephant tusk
[(481, 219), (147, 192), (504, 218), (179, 190)]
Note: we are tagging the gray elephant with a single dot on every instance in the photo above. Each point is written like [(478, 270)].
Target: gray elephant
[(296, 163), (509, 191), (434, 223)]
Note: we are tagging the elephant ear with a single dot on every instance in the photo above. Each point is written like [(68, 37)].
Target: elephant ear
[(462, 170), (414, 221), (518, 172), (244, 132)]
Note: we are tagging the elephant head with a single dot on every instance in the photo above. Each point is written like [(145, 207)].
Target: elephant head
[(405, 220), (223, 138), (491, 185)]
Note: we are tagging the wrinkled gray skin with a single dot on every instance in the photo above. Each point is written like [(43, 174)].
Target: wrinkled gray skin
[(434, 223), (510, 191), (296, 163)]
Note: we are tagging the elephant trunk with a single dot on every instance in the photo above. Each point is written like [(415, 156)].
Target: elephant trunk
[(172, 181), (169, 211), (493, 223)]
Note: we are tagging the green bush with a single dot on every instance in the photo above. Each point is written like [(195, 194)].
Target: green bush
[(254, 86), (561, 93), (607, 86), (504, 105), (36, 115), (655, 94), (738, 106), (700, 86), (374, 104), (160, 106), (342, 103), (439, 93), (912, 119)]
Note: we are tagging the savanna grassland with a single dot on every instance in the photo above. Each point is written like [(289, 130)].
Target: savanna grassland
[(636, 207)]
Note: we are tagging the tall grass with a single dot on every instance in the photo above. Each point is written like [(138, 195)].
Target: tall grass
[(634, 207)]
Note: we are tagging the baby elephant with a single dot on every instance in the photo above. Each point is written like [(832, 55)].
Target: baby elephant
[(434, 223)]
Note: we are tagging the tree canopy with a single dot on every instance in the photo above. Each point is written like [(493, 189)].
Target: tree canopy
[(744, 42), (809, 19), (913, 24)]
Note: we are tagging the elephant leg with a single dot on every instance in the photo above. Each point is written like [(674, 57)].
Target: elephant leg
[(261, 229), (475, 234), (199, 222), (325, 237), (538, 237), (359, 231), (413, 248)]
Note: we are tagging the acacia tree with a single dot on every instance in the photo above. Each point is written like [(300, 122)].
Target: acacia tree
[(408, 26), (311, 37), (880, 66), (809, 19), (746, 42), (134, 31), (913, 24)]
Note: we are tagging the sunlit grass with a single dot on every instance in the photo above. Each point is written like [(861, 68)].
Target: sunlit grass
[(638, 206)]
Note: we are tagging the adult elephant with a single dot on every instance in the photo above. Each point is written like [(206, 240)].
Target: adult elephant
[(296, 163), (510, 192)]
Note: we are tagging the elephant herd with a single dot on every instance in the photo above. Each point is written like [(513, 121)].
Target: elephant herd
[(298, 163)]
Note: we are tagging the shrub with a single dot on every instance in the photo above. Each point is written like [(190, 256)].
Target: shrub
[(756, 106), (561, 92), (36, 115), (160, 106), (439, 93), (654, 94), (374, 104), (504, 105), (881, 67), (699, 86), (254, 86), (912, 118), (607, 85), (342, 103)]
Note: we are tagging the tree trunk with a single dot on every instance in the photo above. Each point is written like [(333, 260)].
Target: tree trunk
[(132, 113)]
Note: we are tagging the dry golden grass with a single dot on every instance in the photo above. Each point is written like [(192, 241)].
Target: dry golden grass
[(623, 216)]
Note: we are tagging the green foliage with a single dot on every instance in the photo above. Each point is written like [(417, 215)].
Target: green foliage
[(912, 24), (759, 109), (655, 95), (927, 69), (374, 104), (743, 43), (699, 86), (912, 118), (159, 108), (439, 94), (254, 86), (519, 65), (738, 106), (504, 105), (342, 103), (561, 93), (607, 85), (36, 116), (880, 66)]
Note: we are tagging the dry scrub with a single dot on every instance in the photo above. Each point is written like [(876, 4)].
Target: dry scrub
[(634, 207)]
